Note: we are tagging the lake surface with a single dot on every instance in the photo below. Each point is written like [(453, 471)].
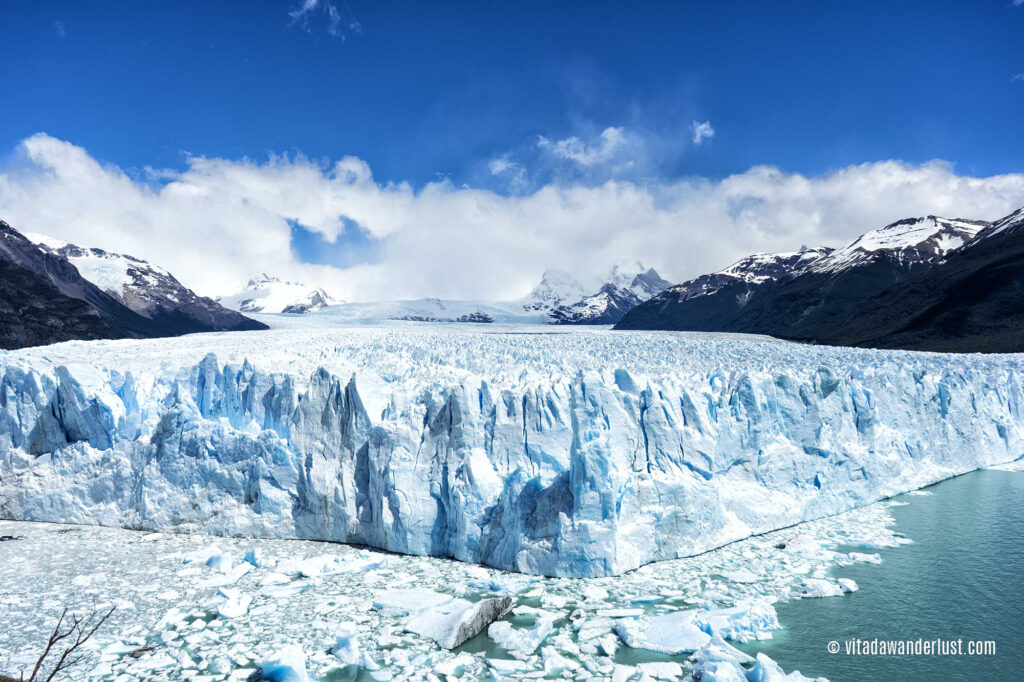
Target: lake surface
[(960, 579)]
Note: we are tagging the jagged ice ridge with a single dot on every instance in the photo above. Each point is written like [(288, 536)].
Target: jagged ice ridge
[(575, 453)]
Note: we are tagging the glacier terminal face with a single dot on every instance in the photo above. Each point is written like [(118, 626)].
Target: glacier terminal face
[(577, 453)]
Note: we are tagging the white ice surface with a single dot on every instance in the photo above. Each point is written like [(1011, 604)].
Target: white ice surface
[(557, 452), (158, 582)]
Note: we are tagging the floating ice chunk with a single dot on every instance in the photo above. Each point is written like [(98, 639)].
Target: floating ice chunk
[(821, 587), (718, 651), (228, 577), (288, 665), (504, 666), (234, 604), (275, 579), (347, 649), (608, 644), (740, 575), (156, 661), (504, 583), (456, 666), (522, 642), (620, 613), (220, 561), (767, 670), (327, 564), (662, 670), (920, 493), (554, 662), (867, 558), (752, 620), (257, 557), (671, 633), (402, 602), (453, 622), (847, 585), (621, 673), (720, 671)]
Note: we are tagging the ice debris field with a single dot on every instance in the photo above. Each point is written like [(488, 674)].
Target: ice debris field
[(198, 608), (578, 453)]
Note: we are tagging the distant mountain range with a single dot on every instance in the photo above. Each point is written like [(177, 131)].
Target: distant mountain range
[(53, 291), (559, 298), (922, 283), (563, 299), (266, 294)]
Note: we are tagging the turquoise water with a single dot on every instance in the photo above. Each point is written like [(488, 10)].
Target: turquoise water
[(961, 578)]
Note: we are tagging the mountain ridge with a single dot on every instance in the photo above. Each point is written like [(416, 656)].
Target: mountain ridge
[(837, 297)]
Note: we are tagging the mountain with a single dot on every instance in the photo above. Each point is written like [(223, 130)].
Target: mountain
[(713, 301), (147, 290), (33, 310), (971, 302), (419, 310), (565, 300), (883, 289), (266, 294), (45, 298)]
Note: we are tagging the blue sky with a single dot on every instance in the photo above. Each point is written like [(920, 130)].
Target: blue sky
[(427, 88), (517, 97)]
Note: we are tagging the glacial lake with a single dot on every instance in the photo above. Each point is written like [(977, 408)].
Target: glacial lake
[(961, 578)]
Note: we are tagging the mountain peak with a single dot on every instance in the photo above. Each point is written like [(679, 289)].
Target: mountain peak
[(565, 300), (270, 294), (906, 242)]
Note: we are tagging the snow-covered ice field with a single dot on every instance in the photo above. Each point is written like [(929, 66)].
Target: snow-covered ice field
[(555, 451), (195, 607)]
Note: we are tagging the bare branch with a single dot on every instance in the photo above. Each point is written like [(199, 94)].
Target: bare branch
[(54, 638), (82, 628)]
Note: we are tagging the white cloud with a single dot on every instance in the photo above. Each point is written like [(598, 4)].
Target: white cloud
[(340, 23), (219, 222), (58, 28), (502, 164), (603, 149), (1017, 76), (701, 131)]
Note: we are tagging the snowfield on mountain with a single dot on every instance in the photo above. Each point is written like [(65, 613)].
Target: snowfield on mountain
[(266, 294), (545, 450)]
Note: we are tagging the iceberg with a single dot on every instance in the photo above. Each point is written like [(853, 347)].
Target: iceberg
[(521, 642), (453, 622), (567, 453), (288, 665), (671, 633)]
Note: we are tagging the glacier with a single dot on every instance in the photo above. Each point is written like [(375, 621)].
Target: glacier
[(567, 453)]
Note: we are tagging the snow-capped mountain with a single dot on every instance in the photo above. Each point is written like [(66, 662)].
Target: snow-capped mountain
[(746, 274), (44, 299), (829, 297), (266, 294), (905, 243), (565, 300), (427, 310), (556, 288), (146, 289), (54, 291)]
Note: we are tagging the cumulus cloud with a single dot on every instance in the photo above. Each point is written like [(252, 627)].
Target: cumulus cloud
[(219, 221), (701, 131), (603, 149)]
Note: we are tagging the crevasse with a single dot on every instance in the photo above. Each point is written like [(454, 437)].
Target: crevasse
[(586, 473)]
